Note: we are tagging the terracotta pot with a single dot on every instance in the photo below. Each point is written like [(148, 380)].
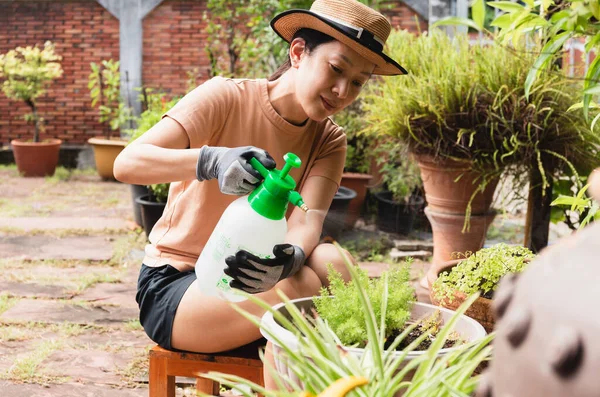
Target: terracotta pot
[(481, 310), (358, 183), (444, 193), (448, 236), (36, 159), (105, 153)]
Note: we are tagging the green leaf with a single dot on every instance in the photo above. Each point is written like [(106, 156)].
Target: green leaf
[(548, 51), (456, 21), (504, 21), (507, 6), (591, 77), (478, 12), (568, 201)]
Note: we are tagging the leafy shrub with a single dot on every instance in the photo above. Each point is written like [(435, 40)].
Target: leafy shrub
[(26, 72), (400, 172), (104, 83), (344, 312), (482, 270)]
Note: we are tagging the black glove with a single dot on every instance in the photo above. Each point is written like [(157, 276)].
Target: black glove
[(253, 274), (232, 167)]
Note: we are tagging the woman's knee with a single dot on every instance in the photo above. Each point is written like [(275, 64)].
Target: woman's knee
[(325, 254), (303, 284)]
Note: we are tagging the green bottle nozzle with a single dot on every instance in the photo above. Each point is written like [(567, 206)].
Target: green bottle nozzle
[(270, 198), (296, 199)]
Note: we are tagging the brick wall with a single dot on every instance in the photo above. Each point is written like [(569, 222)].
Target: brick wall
[(85, 32)]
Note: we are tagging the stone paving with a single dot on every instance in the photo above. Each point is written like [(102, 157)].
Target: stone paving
[(69, 257)]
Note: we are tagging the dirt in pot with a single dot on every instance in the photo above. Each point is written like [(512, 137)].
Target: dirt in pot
[(432, 323)]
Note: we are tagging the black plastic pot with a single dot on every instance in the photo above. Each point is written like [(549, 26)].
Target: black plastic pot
[(151, 212), (138, 191), (335, 221), (396, 217)]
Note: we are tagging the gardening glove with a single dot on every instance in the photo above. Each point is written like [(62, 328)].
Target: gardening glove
[(232, 167), (253, 274)]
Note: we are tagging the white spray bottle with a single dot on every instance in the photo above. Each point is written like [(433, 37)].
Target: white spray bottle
[(254, 223)]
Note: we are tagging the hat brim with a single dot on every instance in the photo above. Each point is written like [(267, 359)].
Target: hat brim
[(287, 23)]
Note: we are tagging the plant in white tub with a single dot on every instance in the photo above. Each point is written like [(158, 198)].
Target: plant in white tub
[(310, 356)]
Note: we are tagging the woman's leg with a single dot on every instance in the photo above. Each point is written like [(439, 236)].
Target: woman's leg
[(324, 254), (208, 324), (318, 260)]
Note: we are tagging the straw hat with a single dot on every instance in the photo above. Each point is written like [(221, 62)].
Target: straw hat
[(348, 21)]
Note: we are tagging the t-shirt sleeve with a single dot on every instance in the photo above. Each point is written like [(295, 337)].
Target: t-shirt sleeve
[(332, 155), (203, 111)]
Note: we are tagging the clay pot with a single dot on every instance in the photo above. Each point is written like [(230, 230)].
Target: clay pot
[(449, 185), (480, 310), (36, 158), (448, 236), (105, 153), (358, 183)]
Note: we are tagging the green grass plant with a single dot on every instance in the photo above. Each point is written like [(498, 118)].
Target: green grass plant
[(321, 358), (467, 102), (27, 368)]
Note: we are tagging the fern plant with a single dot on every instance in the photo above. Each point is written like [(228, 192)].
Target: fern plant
[(344, 313), (482, 270)]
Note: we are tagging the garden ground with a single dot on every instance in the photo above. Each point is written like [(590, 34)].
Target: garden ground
[(69, 257)]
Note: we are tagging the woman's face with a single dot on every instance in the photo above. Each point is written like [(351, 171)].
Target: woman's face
[(329, 78)]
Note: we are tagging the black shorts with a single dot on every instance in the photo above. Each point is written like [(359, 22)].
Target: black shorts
[(159, 292)]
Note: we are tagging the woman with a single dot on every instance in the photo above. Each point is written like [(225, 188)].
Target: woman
[(202, 146)]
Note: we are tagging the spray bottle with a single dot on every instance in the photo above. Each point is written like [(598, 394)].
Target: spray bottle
[(254, 223)]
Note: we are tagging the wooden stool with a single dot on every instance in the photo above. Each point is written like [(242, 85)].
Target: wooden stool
[(166, 364)]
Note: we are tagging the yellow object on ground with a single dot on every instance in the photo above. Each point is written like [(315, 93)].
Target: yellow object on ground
[(340, 387)]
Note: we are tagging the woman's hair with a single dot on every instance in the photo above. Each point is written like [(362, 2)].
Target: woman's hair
[(312, 38)]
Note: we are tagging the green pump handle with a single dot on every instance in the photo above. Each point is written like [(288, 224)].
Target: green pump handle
[(291, 161)]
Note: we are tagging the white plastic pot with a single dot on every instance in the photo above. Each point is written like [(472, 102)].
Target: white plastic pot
[(469, 330)]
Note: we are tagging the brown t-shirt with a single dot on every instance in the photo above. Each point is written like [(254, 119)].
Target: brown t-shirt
[(231, 113)]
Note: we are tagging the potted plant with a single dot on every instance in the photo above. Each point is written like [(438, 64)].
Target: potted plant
[(27, 71), (310, 356), (105, 91), (152, 205), (336, 219), (398, 201), (149, 201), (356, 174), (479, 272), (462, 110)]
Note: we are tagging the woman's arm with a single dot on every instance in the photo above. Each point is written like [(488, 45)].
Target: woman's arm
[(160, 155), (304, 229)]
